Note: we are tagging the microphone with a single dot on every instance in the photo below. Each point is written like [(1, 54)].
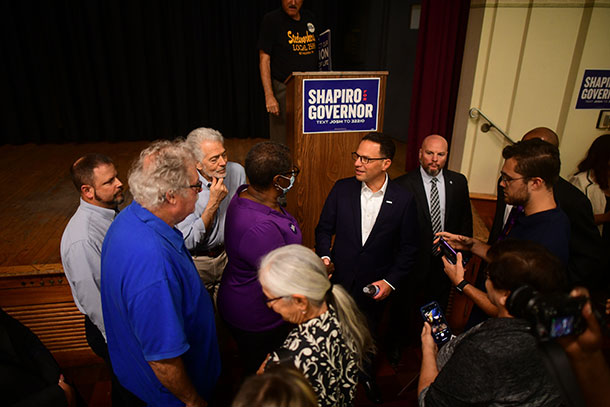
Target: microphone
[(371, 290)]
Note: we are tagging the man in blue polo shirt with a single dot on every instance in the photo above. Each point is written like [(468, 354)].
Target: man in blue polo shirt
[(159, 318), (530, 170)]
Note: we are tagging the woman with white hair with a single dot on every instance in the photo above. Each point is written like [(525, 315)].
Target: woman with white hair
[(331, 338)]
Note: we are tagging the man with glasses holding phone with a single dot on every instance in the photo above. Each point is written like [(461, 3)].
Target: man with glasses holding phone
[(530, 170), (203, 230), (374, 222)]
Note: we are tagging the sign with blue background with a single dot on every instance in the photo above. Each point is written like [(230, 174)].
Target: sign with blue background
[(324, 54), (594, 90), (340, 105)]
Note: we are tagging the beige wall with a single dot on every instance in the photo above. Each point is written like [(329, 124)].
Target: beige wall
[(523, 66)]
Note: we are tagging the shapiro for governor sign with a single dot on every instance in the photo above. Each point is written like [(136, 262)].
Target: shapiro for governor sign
[(594, 90), (340, 105)]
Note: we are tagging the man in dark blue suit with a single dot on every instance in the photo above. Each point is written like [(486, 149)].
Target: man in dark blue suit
[(374, 222)]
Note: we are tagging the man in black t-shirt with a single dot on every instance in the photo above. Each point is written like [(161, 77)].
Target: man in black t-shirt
[(287, 43)]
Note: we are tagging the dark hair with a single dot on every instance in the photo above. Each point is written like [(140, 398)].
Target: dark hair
[(535, 158), (597, 160), (82, 169), (514, 263), (386, 144), (279, 386), (266, 160)]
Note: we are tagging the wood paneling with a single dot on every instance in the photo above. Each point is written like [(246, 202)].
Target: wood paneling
[(42, 301), (484, 206)]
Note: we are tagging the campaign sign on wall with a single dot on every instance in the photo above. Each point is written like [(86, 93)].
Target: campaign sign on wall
[(340, 105), (595, 90)]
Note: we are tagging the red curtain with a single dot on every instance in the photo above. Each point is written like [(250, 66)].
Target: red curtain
[(440, 46)]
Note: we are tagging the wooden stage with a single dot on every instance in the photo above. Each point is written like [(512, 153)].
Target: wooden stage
[(39, 197)]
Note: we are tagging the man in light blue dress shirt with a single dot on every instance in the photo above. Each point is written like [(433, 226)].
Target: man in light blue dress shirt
[(203, 230), (101, 192)]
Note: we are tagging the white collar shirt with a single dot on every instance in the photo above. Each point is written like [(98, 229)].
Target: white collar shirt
[(370, 204)]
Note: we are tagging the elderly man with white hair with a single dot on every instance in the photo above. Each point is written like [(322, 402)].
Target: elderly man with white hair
[(204, 229), (158, 316)]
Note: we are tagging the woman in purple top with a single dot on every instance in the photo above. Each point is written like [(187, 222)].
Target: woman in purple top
[(255, 225)]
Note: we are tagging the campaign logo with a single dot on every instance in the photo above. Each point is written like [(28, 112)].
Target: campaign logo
[(301, 44), (594, 90), (340, 105)]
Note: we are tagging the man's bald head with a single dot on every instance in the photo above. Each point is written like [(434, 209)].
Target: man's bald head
[(435, 139), (544, 134)]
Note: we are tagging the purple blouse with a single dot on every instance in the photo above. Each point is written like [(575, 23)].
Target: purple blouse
[(251, 231)]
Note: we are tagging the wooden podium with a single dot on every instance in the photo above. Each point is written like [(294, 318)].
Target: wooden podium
[(323, 158)]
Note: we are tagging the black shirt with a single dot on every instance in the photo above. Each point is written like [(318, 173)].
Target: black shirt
[(585, 260), (290, 43), (549, 228)]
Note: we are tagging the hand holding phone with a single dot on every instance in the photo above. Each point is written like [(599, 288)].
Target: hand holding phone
[(442, 248), (433, 314)]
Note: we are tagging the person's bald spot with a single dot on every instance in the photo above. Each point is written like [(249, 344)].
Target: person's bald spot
[(149, 160), (544, 134)]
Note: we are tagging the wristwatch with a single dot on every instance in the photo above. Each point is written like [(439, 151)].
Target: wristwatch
[(461, 285)]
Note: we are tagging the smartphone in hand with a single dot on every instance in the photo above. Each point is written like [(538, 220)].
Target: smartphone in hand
[(433, 314), (442, 248)]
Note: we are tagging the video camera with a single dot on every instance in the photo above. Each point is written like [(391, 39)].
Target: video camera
[(551, 315)]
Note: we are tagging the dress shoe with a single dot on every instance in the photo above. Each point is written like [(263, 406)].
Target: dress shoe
[(373, 393)]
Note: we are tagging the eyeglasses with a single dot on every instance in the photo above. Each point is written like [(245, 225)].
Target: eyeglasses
[(198, 186), (270, 300), (294, 171), (507, 179), (364, 159)]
